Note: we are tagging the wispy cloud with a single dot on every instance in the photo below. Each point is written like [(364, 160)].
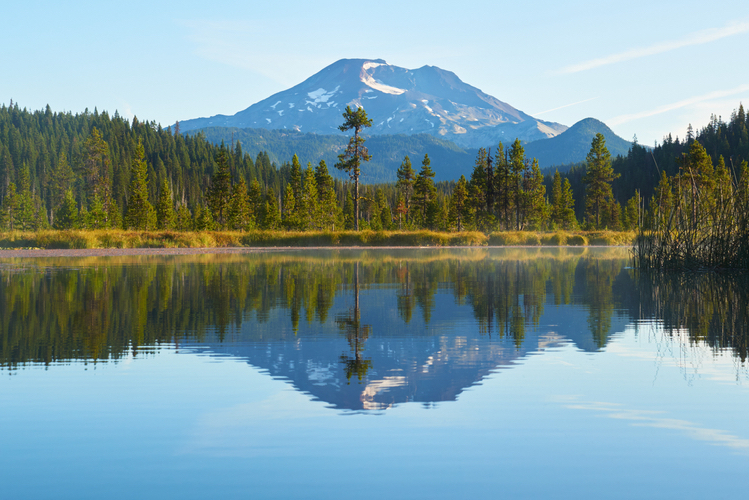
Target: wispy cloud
[(680, 104), (565, 106), (696, 38), (646, 418)]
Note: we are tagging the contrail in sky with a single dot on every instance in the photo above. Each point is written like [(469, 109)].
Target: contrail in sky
[(565, 106), (696, 38), (680, 104)]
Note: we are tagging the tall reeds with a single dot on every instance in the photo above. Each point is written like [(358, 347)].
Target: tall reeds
[(702, 222)]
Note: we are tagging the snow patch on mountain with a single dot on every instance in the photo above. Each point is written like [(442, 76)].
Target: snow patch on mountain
[(369, 80), (370, 64), (321, 96)]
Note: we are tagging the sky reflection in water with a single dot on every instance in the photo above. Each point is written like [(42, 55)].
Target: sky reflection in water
[(455, 373)]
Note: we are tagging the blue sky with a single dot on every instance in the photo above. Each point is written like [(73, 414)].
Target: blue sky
[(645, 68)]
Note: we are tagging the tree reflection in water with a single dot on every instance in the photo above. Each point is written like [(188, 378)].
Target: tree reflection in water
[(712, 308), (356, 334), (105, 308)]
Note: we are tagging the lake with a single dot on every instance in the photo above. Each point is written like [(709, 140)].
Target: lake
[(415, 373)]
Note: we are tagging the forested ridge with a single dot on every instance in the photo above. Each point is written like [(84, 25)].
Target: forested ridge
[(641, 169), (92, 170)]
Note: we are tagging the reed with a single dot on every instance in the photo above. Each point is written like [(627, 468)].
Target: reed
[(696, 235)]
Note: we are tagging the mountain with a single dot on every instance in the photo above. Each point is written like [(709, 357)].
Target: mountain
[(573, 145), (427, 100)]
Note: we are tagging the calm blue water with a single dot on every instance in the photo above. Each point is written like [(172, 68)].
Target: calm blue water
[(414, 374)]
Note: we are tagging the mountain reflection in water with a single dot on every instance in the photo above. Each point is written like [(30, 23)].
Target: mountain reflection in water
[(360, 330)]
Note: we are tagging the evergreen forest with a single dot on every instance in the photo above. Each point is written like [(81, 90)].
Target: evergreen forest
[(93, 170)]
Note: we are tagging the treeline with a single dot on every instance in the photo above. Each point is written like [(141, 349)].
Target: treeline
[(93, 170), (640, 171), (47, 158)]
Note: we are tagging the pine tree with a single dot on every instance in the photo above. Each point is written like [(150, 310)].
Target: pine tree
[(140, 213), (631, 213), (296, 178), (97, 217), (220, 191), (460, 210), (61, 180), (66, 216), (375, 222), (310, 215), (291, 219), (442, 215), (517, 168), (477, 191), (556, 200), (424, 192), (351, 159), (166, 219), (348, 213), (537, 212), (10, 208), (611, 215), (240, 215), (568, 207), (114, 216), (257, 203), (696, 182), (405, 185), (598, 178), (25, 216), (328, 210), (401, 210), (184, 220), (41, 222), (96, 163), (83, 219), (502, 184), (271, 214), (204, 219), (386, 216)]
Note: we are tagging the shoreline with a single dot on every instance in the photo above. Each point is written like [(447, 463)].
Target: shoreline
[(160, 242), (117, 252)]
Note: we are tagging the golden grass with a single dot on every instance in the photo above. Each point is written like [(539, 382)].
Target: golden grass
[(112, 238), (562, 238)]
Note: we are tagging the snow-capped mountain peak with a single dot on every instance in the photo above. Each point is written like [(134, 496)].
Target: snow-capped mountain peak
[(398, 100)]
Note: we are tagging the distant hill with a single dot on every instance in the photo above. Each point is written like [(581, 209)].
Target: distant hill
[(573, 145), (427, 100), (448, 160)]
